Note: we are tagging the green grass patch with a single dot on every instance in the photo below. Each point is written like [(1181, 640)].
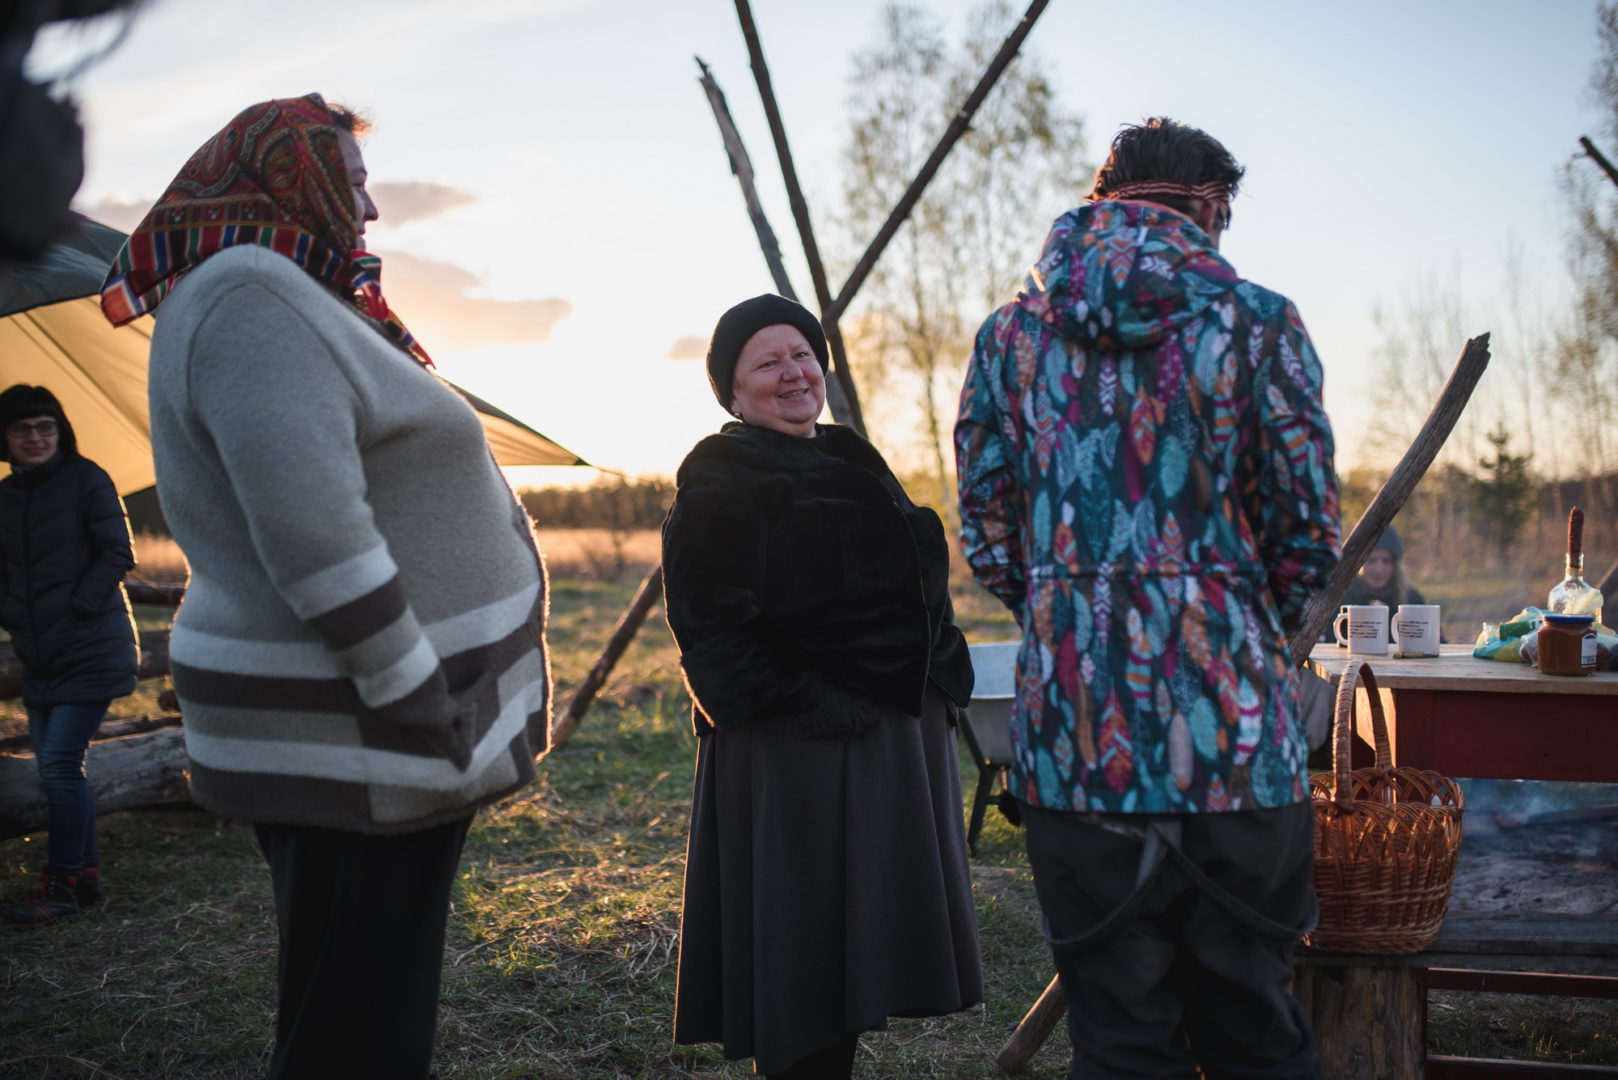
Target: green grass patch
[(563, 934)]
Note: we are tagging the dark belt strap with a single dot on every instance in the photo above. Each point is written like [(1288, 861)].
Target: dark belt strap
[(1162, 842)]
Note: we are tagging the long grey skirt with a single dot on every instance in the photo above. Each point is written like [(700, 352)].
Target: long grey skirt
[(826, 887)]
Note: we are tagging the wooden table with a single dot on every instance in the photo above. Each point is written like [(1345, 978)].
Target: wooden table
[(1485, 719), (1474, 718), (1463, 717)]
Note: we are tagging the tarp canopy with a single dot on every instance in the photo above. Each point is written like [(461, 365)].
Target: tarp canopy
[(52, 334)]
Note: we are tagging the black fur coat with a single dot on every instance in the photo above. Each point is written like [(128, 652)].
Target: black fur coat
[(796, 570)]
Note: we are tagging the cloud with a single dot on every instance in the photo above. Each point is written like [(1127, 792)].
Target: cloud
[(431, 297), (400, 202), (122, 214), (689, 347), (404, 201)]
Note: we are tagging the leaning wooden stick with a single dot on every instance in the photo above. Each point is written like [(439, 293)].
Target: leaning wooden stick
[(957, 127), (1599, 158), (1400, 483), (800, 215), (741, 166), (1036, 1027), (628, 623)]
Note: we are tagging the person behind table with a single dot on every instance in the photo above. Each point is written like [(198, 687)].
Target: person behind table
[(1146, 482), (64, 550), (360, 655), (1382, 579), (826, 884)]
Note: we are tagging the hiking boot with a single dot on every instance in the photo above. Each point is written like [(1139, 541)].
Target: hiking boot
[(54, 901), (90, 890)]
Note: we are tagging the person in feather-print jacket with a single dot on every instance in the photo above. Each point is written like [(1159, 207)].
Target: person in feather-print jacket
[(1146, 481)]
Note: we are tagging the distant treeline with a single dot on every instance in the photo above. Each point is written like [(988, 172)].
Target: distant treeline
[(609, 503)]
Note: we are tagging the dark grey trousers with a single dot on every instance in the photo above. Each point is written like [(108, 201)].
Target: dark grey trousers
[(1173, 936)]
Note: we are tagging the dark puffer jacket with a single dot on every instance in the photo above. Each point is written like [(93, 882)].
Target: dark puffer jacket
[(796, 570), (64, 550)]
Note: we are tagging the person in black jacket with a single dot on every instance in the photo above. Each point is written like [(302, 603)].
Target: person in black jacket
[(64, 550), (826, 884)]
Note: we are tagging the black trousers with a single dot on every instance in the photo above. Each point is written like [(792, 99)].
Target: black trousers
[(361, 922), (1176, 951)]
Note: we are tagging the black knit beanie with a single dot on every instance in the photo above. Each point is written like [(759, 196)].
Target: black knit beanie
[(744, 320), (1389, 541)]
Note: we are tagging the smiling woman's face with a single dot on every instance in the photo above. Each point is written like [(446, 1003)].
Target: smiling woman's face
[(32, 441), (778, 382), (1377, 570)]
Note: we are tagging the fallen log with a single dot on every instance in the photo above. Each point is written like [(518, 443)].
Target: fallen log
[(138, 770), (154, 593), (154, 661), (109, 729)]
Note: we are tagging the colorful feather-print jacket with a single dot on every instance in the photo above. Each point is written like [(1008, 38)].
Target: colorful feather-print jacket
[(1146, 481)]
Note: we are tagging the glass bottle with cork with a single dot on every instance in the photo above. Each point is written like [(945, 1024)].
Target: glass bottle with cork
[(1574, 595)]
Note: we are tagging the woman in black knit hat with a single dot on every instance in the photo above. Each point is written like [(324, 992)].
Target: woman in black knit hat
[(826, 880)]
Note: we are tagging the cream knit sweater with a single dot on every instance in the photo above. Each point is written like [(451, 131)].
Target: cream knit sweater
[(362, 642)]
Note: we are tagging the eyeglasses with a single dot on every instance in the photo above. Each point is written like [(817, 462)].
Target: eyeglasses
[(43, 428)]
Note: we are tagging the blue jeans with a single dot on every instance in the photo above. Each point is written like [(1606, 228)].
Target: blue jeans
[(60, 736)]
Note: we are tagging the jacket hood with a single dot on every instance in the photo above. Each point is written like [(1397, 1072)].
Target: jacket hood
[(1121, 276)]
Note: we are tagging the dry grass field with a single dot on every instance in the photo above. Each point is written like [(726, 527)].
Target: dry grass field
[(563, 930)]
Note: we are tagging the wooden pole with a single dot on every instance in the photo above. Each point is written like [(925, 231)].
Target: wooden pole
[(952, 134), (1609, 582), (1400, 483), (800, 215), (630, 622), (1599, 158), (1033, 1029), (741, 166)]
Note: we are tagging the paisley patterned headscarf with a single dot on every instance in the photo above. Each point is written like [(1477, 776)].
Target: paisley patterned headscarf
[(273, 178)]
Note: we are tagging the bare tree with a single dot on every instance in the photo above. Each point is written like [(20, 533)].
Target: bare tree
[(1585, 391), (964, 247)]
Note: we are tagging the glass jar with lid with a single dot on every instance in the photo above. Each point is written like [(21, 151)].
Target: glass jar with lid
[(1567, 645)]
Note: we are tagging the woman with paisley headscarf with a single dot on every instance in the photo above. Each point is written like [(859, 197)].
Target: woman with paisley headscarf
[(360, 655)]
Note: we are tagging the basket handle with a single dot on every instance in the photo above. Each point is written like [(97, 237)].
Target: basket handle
[(1357, 672)]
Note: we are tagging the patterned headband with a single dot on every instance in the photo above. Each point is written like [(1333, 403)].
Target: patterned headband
[(1213, 192)]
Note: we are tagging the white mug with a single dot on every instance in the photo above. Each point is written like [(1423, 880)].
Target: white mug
[(1415, 630), (1363, 628)]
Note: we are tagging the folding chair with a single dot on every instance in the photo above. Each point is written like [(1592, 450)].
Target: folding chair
[(988, 724)]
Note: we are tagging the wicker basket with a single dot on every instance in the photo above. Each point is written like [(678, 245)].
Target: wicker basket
[(1385, 841)]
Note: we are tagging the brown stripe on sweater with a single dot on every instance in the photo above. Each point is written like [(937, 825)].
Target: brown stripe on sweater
[(474, 679), (278, 798), (221, 689), (335, 804), (346, 626), (226, 690)]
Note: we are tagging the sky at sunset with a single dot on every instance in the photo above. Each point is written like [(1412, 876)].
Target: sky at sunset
[(561, 230)]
